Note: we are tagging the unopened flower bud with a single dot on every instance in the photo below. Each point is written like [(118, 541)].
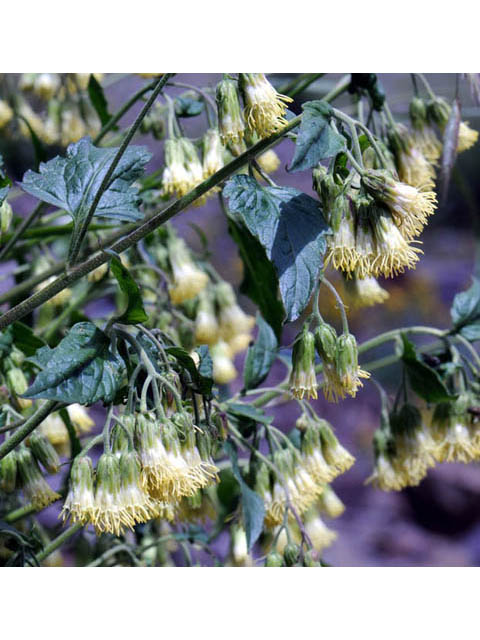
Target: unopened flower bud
[(274, 559), (303, 379), (6, 214), (291, 554), (212, 153), (230, 119), (44, 452), (34, 485), (325, 342), (346, 364), (8, 472)]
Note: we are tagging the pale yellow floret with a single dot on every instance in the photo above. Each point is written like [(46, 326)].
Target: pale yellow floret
[(385, 476), (188, 281), (414, 169), (80, 418), (426, 140), (303, 382), (342, 253), (318, 532), (366, 292), (223, 368), (264, 107), (394, 253), (467, 137), (6, 113)]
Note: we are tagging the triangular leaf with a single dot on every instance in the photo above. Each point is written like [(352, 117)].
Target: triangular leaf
[(316, 138), (98, 100), (424, 380), (81, 368), (260, 356), (253, 509), (260, 280), (465, 312), (291, 227), (135, 312), (71, 182)]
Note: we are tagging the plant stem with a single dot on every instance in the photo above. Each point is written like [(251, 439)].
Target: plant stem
[(340, 304), (77, 238), (59, 540), (122, 111), (33, 421)]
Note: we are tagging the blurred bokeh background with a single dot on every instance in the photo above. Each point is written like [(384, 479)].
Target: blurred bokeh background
[(438, 522)]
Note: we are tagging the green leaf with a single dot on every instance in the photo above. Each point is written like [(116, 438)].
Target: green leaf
[(188, 107), (205, 367), (424, 380), (290, 226), (260, 280), (247, 415), (135, 312), (81, 368), (38, 148), (253, 509), (71, 182), (465, 312), (201, 379), (260, 356), (25, 339), (316, 138), (98, 100)]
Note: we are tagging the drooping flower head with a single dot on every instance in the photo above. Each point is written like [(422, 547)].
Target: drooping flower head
[(206, 325), (409, 206), (413, 167), (135, 501), (423, 134), (8, 472), (44, 452), (34, 485), (325, 345), (233, 321), (79, 504), (230, 120), (212, 153), (365, 292), (330, 504), (318, 532), (303, 378), (223, 368), (188, 279), (438, 111), (453, 431), (78, 414), (264, 107), (111, 514), (175, 177), (346, 362)]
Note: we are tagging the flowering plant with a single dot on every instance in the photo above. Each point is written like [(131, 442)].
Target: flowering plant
[(187, 454)]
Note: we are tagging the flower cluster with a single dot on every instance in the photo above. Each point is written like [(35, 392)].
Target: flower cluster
[(301, 476), (65, 113), (406, 446), (171, 462), (339, 355)]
